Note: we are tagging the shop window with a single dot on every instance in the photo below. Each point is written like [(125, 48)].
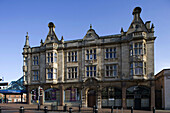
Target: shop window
[(72, 95), (111, 97), (52, 95), (34, 95)]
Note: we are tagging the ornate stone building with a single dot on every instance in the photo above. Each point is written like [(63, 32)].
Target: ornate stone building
[(95, 70)]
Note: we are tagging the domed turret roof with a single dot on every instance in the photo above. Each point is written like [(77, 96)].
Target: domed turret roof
[(51, 24), (137, 10)]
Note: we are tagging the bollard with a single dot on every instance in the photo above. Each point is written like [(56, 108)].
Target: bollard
[(122, 110), (65, 108), (52, 107), (153, 109), (0, 110), (79, 107), (38, 106), (70, 110), (21, 110), (45, 109), (131, 109), (112, 109), (96, 109)]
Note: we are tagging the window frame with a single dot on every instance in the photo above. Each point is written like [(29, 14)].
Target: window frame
[(72, 56), (35, 75), (91, 71), (51, 57), (110, 53), (111, 70), (72, 73), (35, 60), (91, 54)]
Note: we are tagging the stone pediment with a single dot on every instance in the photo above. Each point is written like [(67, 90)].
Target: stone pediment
[(91, 34)]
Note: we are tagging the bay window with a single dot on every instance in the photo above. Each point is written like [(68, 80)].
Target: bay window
[(138, 48), (138, 68), (51, 57)]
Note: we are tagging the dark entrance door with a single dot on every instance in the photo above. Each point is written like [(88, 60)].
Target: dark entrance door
[(91, 98), (137, 103)]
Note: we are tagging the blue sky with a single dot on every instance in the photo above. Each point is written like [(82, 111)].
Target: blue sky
[(72, 19)]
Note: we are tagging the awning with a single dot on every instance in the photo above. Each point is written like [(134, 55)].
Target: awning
[(12, 91)]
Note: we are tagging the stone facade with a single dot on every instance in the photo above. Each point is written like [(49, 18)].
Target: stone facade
[(162, 80), (95, 70)]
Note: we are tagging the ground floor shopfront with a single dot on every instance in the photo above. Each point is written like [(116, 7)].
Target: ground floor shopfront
[(139, 94)]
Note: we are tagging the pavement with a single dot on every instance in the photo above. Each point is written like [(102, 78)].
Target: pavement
[(14, 108)]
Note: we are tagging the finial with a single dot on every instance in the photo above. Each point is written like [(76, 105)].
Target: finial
[(27, 41), (122, 29), (90, 26), (122, 32), (62, 39), (41, 42), (137, 10), (27, 34), (152, 26)]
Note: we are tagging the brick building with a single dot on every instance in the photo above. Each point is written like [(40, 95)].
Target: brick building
[(94, 70)]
